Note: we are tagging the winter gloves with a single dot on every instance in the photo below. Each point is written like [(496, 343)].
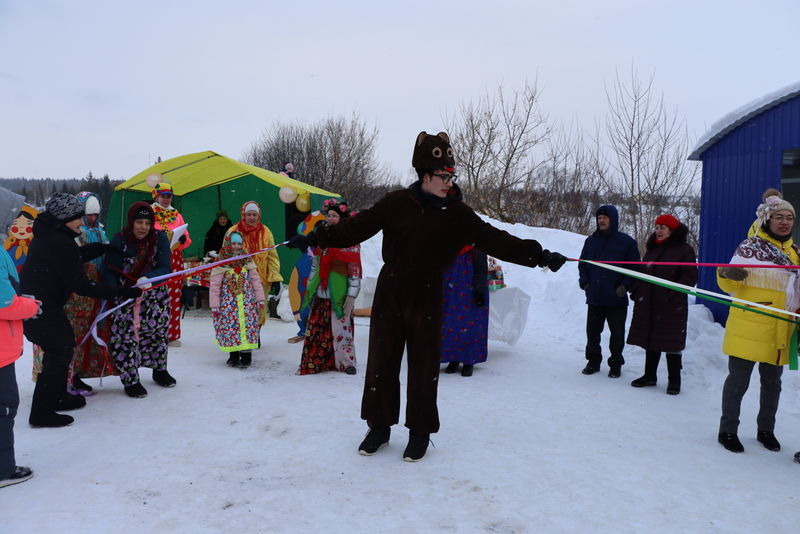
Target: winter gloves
[(551, 260), (130, 292), (302, 241), (736, 274)]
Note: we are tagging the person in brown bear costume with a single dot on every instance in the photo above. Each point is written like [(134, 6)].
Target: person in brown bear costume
[(424, 228)]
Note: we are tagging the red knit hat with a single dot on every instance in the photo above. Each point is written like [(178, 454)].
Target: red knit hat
[(669, 221)]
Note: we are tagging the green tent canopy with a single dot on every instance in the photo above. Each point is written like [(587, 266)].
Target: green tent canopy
[(205, 182)]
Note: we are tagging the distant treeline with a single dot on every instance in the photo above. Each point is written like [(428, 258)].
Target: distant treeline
[(37, 191)]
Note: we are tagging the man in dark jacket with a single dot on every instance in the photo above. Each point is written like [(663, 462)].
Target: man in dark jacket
[(424, 228), (52, 272), (606, 290)]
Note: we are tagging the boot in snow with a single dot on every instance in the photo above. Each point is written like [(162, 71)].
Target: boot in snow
[(674, 370), (233, 359), (451, 368), (43, 405), (163, 378), (768, 440), (730, 442), (136, 391), (417, 446), (245, 358), (466, 370), (650, 376), (69, 402), (376, 439)]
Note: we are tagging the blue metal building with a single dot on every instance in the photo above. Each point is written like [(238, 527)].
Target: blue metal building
[(754, 147)]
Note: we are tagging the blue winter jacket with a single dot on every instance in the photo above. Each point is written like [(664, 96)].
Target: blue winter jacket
[(606, 246)]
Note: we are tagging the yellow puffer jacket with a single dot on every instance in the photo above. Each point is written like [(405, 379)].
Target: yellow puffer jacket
[(753, 336)]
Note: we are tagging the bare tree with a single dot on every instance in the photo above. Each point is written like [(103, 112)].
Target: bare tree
[(335, 154), (645, 158), (494, 140)]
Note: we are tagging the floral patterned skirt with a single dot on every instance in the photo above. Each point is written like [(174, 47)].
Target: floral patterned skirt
[(236, 323), (329, 341), (465, 327)]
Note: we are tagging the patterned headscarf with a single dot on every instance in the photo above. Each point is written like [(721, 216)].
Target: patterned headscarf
[(235, 282)]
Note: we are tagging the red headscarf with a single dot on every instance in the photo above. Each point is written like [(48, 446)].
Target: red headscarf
[(251, 234)]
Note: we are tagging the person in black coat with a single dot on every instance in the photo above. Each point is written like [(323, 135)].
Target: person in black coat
[(660, 314), (216, 233), (606, 290), (424, 229), (52, 272)]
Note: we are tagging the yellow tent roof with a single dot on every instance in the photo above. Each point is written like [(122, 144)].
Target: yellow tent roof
[(202, 169)]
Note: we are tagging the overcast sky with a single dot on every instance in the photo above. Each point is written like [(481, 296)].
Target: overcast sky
[(107, 86)]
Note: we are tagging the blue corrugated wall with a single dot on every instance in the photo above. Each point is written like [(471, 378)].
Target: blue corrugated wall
[(736, 171)]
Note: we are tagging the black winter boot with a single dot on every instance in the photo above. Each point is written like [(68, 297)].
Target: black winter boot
[(245, 358), (136, 391), (417, 446), (163, 378), (730, 442), (67, 402), (650, 376), (43, 405), (233, 359), (768, 440), (467, 370), (674, 369), (451, 368), (376, 439)]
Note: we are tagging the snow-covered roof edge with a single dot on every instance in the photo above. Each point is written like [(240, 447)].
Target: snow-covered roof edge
[(741, 115)]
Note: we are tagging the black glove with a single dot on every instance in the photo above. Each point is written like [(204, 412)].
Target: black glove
[(585, 286), (182, 239), (275, 288), (736, 274), (551, 260), (479, 300), (621, 291), (302, 241), (91, 251), (130, 292)]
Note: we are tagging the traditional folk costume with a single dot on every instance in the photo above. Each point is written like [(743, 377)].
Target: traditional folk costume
[(465, 310), (235, 295), (256, 238), (167, 220), (335, 276), (139, 331)]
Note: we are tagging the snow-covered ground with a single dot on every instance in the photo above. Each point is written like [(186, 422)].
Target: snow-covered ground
[(527, 444)]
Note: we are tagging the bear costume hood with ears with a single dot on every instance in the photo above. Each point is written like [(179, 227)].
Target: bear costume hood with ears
[(433, 152)]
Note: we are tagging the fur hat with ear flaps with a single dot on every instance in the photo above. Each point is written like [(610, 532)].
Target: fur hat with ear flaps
[(433, 152)]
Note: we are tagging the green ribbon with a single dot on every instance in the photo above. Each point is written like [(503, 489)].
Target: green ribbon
[(793, 344)]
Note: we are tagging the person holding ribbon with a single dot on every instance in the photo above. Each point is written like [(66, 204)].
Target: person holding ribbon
[(660, 313), (752, 337), (90, 360), (332, 289), (256, 237), (236, 296), (169, 220), (53, 271), (424, 228), (139, 329)]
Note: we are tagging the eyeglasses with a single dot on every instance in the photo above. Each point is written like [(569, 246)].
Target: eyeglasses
[(783, 218), (446, 178)]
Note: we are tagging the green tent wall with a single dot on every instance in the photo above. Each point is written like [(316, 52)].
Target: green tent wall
[(205, 182)]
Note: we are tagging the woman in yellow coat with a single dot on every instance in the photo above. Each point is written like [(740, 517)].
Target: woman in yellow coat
[(750, 337), (257, 236)]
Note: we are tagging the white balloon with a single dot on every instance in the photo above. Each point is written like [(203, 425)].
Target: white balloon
[(287, 194)]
